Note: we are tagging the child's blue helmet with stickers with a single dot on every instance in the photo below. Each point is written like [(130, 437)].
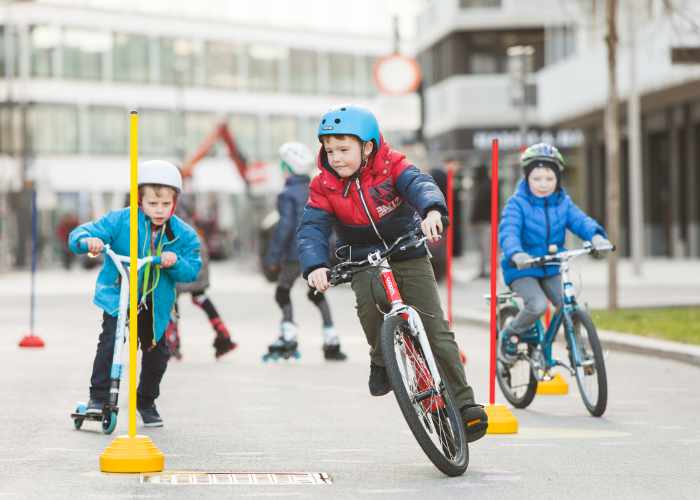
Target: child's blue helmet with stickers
[(350, 119)]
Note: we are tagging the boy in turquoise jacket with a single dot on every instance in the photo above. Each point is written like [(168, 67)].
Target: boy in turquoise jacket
[(160, 234)]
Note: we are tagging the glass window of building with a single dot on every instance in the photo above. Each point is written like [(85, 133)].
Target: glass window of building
[(342, 73), (176, 61), (83, 51), (197, 127), (372, 89), (43, 41), (10, 129), (263, 66), (130, 58), (303, 71), (221, 63), (156, 132), (282, 129), (244, 129), (108, 128), (52, 128)]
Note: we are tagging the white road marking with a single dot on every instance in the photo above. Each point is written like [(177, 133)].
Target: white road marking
[(464, 485), (621, 442), (345, 450), (397, 490), (491, 471), (502, 478)]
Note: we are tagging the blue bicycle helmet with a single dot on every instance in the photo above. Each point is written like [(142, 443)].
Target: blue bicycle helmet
[(350, 119)]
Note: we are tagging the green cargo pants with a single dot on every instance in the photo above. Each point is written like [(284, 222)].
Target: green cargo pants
[(419, 289)]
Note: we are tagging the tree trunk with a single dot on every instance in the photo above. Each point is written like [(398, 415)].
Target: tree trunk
[(612, 153)]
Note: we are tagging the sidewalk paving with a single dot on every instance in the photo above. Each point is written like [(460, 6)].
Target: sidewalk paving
[(663, 283)]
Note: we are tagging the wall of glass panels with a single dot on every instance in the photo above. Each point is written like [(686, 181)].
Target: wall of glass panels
[(156, 132), (302, 64), (177, 61), (282, 129), (245, 132), (342, 74), (263, 66), (222, 65), (130, 58), (83, 51)]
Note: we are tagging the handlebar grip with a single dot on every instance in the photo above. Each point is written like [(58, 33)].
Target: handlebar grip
[(445, 222), (80, 245), (156, 259)]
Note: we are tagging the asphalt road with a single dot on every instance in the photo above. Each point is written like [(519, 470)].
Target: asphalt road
[(239, 414)]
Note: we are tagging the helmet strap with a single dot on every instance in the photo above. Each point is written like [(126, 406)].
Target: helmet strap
[(358, 172)]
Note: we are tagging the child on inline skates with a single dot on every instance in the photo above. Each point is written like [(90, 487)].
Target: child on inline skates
[(283, 259), (222, 342), (372, 195), (160, 234), (536, 216)]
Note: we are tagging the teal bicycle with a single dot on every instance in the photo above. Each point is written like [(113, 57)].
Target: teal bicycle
[(586, 361)]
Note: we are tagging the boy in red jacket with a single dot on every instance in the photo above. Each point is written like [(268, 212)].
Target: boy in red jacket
[(372, 195)]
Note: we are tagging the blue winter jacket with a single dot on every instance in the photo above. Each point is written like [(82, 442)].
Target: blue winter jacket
[(114, 229), (393, 192), (290, 205), (530, 224)]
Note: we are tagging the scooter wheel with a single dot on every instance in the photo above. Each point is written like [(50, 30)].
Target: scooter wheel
[(297, 354), (78, 423), (109, 423)]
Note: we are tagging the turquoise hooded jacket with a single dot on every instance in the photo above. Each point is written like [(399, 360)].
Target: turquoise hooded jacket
[(174, 236), (530, 224)]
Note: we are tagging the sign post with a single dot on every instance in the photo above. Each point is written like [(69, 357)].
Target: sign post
[(501, 420), (32, 340), (133, 453), (450, 236)]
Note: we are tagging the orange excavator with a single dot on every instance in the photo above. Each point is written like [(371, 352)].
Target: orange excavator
[(220, 132)]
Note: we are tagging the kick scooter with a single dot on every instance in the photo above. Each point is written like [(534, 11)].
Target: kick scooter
[(108, 417)]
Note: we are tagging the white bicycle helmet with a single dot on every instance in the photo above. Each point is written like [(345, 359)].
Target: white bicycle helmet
[(160, 172), (296, 158)]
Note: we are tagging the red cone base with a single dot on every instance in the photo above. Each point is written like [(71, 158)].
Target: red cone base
[(31, 340)]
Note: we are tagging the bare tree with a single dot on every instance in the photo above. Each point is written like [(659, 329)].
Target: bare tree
[(612, 152)]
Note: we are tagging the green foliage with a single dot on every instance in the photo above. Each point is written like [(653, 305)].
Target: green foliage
[(681, 324)]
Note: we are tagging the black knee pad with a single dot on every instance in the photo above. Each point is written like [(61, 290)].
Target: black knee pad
[(316, 298), (282, 296)]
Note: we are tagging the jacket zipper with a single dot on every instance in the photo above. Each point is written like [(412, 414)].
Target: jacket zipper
[(546, 216), (369, 215)]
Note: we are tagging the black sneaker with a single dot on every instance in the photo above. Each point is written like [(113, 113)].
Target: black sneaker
[(508, 351), (149, 416), (379, 384), (94, 406), (333, 353), (476, 421)]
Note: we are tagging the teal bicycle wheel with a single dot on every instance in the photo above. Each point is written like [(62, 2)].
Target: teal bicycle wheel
[(517, 382), (590, 371)]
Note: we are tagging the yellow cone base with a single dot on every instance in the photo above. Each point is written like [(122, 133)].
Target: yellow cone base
[(555, 386), (501, 420), (132, 454)]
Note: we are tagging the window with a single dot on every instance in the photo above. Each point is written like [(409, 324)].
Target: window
[(303, 71), (43, 41), (83, 51), (342, 71), (244, 129), (52, 128), (176, 61), (263, 61), (222, 65), (108, 129), (482, 63), (130, 58), (10, 129), (156, 132), (197, 127), (371, 86), (282, 129)]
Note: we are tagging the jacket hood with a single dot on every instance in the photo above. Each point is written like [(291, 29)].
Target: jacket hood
[(553, 199), (375, 162)]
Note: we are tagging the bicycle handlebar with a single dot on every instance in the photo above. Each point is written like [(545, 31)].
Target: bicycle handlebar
[(566, 255), (154, 259), (340, 274)]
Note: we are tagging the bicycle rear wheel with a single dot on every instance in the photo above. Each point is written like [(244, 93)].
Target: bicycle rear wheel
[(590, 372), (430, 412), (517, 382)]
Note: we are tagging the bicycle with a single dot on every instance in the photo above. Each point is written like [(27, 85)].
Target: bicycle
[(518, 381), (424, 396), (108, 417)]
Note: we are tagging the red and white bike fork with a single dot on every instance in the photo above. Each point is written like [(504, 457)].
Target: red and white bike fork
[(423, 376)]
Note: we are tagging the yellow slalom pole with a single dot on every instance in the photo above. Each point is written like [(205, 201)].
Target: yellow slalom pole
[(133, 453), (134, 281)]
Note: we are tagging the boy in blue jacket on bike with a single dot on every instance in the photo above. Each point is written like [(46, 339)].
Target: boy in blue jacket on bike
[(282, 260), (160, 234), (534, 219), (372, 195)]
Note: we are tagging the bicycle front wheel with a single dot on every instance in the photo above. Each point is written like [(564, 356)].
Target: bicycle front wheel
[(590, 371), (517, 382), (430, 411)]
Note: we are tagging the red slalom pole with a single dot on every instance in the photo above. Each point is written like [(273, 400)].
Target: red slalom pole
[(494, 248), (450, 235)]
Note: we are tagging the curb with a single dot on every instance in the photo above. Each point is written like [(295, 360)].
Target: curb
[(635, 344)]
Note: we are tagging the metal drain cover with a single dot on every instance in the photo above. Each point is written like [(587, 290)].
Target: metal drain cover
[(236, 478)]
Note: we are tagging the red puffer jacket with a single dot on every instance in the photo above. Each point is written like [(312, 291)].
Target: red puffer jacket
[(392, 190)]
